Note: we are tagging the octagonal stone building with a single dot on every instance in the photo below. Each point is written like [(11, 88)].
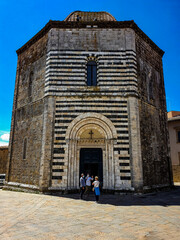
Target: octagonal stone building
[(89, 97)]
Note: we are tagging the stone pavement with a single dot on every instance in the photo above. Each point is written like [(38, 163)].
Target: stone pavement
[(35, 216)]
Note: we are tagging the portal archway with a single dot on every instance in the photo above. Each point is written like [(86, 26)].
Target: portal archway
[(90, 130)]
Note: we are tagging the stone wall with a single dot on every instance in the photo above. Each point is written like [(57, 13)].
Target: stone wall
[(51, 94), (27, 117), (153, 121), (3, 159), (176, 173)]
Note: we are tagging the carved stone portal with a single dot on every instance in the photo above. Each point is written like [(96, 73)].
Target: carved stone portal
[(91, 130)]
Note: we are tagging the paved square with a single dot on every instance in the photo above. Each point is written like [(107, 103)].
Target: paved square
[(35, 216)]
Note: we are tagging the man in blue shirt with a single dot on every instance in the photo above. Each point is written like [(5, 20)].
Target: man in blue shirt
[(82, 185)]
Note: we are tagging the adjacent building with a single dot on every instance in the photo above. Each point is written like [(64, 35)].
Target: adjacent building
[(89, 97), (174, 136)]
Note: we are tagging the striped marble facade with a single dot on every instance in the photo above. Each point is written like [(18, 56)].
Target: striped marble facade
[(66, 79)]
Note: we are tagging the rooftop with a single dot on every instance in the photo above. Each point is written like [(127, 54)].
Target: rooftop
[(79, 16), (173, 116)]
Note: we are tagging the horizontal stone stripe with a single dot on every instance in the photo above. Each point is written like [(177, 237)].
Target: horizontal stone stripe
[(64, 67), (62, 71), (122, 132), (122, 143), (64, 75), (60, 132), (59, 144), (59, 158), (63, 121), (83, 84), (101, 69), (117, 78), (108, 76), (65, 60), (91, 110), (79, 109), (94, 101), (124, 158), (56, 53), (125, 177), (58, 163), (122, 60), (117, 121), (57, 177), (121, 126), (81, 66), (78, 91), (60, 138), (67, 116), (123, 138), (57, 170), (121, 149), (113, 67), (82, 52), (62, 127), (94, 106), (59, 150), (57, 62), (117, 85), (81, 57), (125, 170), (100, 81), (58, 155), (123, 164)]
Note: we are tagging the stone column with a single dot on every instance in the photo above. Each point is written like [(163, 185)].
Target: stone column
[(135, 143), (47, 143)]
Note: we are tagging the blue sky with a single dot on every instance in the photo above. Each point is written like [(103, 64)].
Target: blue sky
[(20, 20)]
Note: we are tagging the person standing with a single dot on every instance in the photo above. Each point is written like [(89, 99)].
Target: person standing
[(96, 189), (82, 185), (88, 184)]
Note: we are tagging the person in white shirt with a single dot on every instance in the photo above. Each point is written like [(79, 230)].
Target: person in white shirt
[(88, 184), (96, 189)]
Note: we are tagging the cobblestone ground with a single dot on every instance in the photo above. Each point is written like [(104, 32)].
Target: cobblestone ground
[(35, 216)]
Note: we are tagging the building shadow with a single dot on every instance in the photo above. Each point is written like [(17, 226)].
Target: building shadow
[(161, 198)]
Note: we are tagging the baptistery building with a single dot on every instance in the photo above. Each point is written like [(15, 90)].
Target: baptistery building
[(89, 97)]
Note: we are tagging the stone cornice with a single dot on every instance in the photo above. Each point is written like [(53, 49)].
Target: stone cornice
[(111, 24)]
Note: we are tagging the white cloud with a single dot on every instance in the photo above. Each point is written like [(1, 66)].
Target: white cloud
[(5, 137), (3, 144)]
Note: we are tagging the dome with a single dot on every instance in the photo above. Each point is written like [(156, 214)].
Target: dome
[(89, 16)]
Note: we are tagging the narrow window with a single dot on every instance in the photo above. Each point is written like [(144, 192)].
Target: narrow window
[(178, 136), (30, 84), (91, 73), (24, 148), (151, 95)]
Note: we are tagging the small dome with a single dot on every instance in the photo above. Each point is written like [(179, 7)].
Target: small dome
[(89, 17)]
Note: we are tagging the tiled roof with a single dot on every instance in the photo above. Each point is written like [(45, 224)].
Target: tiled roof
[(89, 17)]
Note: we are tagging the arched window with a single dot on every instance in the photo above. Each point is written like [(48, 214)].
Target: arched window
[(24, 148), (91, 73)]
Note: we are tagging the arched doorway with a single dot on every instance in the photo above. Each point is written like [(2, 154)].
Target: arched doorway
[(91, 131)]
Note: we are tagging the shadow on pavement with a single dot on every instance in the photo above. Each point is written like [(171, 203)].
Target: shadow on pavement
[(161, 198)]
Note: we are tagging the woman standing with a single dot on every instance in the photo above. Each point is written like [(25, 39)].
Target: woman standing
[(96, 189)]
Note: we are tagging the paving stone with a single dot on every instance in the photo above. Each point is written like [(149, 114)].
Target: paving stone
[(35, 216)]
